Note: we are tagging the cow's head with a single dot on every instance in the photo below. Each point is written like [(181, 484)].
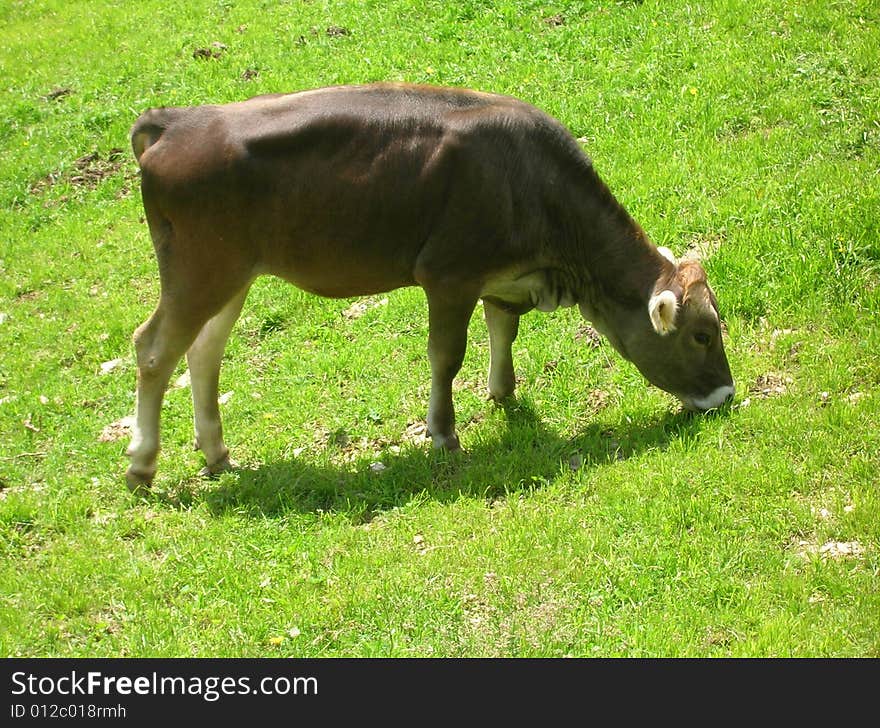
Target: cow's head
[(676, 343)]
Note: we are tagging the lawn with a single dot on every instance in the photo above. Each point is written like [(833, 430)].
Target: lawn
[(589, 516)]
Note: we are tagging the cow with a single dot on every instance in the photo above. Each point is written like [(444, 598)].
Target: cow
[(356, 190)]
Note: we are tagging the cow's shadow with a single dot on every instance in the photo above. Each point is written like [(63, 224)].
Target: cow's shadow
[(526, 456)]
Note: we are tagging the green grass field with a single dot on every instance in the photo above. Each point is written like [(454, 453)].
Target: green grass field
[(589, 516)]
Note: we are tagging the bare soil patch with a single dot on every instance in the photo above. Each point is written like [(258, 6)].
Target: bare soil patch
[(771, 384), (88, 171), (211, 52)]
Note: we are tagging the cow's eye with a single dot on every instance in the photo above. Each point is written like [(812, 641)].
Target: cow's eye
[(702, 338)]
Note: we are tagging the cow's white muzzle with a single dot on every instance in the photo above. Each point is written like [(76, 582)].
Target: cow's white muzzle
[(712, 400)]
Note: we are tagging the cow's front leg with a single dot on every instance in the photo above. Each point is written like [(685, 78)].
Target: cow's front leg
[(449, 312), (204, 358), (503, 327)]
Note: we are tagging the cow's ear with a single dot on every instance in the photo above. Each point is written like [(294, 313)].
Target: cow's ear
[(667, 253), (662, 308)]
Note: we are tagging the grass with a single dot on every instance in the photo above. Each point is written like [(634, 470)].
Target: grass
[(589, 517)]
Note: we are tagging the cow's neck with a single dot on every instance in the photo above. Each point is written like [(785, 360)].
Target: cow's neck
[(618, 265)]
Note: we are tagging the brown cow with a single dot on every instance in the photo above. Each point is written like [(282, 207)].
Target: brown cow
[(356, 190)]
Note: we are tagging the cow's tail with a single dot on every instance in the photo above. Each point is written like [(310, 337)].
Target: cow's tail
[(149, 128)]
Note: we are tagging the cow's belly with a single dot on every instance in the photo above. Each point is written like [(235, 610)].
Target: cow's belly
[(321, 284), (340, 268)]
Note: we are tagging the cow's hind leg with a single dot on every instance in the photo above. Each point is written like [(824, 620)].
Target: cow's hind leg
[(160, 342), (198, 282), (204, 358), (449, 312), (503, 327)]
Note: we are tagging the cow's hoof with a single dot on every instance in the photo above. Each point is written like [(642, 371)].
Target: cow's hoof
[(499, 391), (223, 465), (500, 397), (138, 483), (449, 443)]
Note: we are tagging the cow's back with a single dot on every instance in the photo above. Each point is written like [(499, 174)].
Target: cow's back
[(339, 189)]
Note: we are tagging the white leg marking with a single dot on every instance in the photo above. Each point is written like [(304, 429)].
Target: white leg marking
[(159, 346), (203, 358), (502, 328), (501, 376), (144, 443)]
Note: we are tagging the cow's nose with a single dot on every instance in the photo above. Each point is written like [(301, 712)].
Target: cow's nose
[(715, 399)]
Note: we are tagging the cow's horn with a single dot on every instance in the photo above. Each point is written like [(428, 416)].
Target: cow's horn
[(667, 253)]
